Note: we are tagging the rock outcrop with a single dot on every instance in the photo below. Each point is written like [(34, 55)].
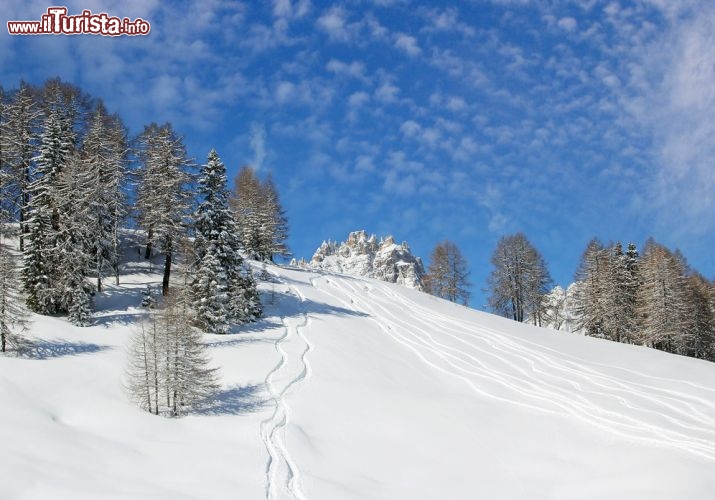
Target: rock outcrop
[(363, 255)]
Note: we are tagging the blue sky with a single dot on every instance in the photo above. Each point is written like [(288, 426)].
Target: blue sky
[(468, 120)]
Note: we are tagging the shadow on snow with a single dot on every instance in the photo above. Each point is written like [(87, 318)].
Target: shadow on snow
[(236, 400), (51, 349), (288, 304)]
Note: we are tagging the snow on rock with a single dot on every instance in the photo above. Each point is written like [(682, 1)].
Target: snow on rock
[(363, 255)]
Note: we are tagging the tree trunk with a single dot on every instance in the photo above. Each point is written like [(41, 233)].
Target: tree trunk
[(167, 273), (149, 236), (115, 260), (99, 273)]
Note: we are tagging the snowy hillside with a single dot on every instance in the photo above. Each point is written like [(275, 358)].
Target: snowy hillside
[(364, 256), (353, 388)]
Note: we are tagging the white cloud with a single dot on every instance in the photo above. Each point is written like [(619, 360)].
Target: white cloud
[(258, 144), (333, 22), (491, 199), (410, 128), (284, 91), (354, 69), (447, 20), (358, 99), (408, 44), (456, 104), (290, 10), (364, 164), (671, 94), (567, 24), (387, 92)]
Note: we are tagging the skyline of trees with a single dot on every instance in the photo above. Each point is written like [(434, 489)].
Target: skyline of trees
[(71, 177)]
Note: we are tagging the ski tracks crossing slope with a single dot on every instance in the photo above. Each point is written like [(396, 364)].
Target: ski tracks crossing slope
[(517, 371)]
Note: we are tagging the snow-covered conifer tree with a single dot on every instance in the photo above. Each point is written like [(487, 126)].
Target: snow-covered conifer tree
[(245, 203), (104, 159), (162, 197), (218, 284), (40, 266), (13, 320), (19, 134), (168, 369), (73, 236)]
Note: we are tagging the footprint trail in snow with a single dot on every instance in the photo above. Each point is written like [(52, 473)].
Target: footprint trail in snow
[(282, 474)]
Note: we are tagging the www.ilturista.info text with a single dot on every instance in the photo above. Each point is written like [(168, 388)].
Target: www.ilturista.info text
[(57, 22)]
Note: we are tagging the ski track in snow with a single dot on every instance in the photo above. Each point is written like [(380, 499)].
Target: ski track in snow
[(282, 474), (517, 371)]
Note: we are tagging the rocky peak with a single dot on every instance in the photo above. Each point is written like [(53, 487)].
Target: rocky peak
[(362, 255)]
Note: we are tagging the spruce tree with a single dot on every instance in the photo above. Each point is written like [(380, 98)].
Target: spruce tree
[(73, 238), (40, 257), (219, 284)]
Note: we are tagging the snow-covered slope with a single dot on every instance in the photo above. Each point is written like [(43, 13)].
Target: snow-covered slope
[(353, 388), (364, 256)]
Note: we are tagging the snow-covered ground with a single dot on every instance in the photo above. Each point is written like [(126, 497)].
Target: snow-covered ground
[(353, 388)]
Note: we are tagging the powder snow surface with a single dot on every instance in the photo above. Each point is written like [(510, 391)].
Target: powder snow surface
[(353, 388)]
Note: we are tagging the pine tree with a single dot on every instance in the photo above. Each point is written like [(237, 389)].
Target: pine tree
[(143, 370), (245, 203), (5, 177), (447, 275), (19, 135), (191, 382), (40, 267), (168, 368), (219, 286), (663, 300), (104, 160), (13, 320), (273, 231), (162, 196), (702, 317), (519, 280), (261, 220), (73, 236), (248, 302), (592, 279)]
